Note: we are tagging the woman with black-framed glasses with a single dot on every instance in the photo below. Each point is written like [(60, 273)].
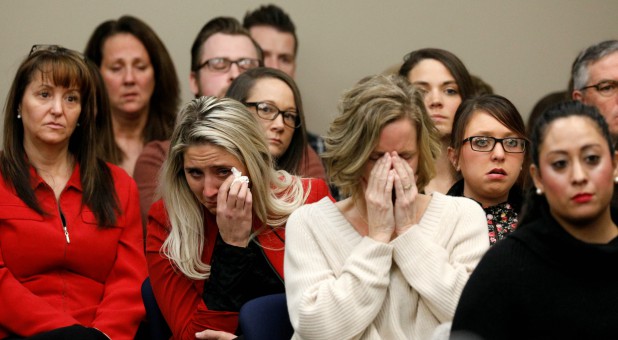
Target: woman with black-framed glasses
[(71, 250), (275, 99), (488, 150)]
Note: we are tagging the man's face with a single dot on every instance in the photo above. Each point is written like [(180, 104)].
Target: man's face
[(603, 69), (278, 48), (206, 82)]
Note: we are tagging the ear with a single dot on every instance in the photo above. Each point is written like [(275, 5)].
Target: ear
[(453, 157), (615, 163), (194, 83), (577, 95), (536, 177)]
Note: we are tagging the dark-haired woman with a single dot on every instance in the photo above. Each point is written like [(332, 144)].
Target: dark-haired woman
[(141, 82), (554, 277), (488, 148), (445, 82), (71, 251)]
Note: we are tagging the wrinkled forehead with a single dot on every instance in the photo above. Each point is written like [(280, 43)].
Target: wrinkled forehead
[(233, 47)]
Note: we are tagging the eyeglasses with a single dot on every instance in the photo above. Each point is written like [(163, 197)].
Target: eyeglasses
[(224, 64), (54, 49), (606, 88), (487, 144), (270, 112)]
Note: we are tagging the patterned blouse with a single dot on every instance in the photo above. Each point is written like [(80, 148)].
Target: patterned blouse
[(501, 218)]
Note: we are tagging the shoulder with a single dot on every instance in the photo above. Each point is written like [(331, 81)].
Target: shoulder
[(323, 210), (156, 149), (118, 173), (158, 213), (316, 189), (455, 205)]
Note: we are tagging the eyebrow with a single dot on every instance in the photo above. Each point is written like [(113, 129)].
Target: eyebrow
[(448, 82), (583, 148)]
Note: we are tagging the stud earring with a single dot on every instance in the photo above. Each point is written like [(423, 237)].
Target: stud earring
[(539, 191), (18, 113), (616, 179)]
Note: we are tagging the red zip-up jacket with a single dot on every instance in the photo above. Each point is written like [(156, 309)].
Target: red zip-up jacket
[(89, 275)]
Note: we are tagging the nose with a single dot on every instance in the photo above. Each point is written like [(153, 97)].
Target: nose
[(129, 76), (56, 108), (272, 62), (211, 188), (498, 152), (234, 72), (277, 123), (433, 98), (578, 174)]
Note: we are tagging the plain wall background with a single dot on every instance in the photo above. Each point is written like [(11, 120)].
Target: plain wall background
[(524, 49)]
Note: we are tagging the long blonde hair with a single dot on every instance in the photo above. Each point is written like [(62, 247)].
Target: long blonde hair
[(227, 124)]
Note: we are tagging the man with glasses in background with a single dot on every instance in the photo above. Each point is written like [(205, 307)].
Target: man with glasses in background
[(222, 51), (595, 81)]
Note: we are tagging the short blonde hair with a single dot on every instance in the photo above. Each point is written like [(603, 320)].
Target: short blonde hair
[(228, 124), (365, 110)]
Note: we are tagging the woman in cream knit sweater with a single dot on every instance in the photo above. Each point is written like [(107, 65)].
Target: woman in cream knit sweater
[(388, 262)]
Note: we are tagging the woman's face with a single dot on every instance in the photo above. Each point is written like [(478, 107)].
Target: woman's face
[(440, 92), (206, 167), (399, 136), (128, 74), (275, 92), (49, 112), (488, 176), (575, 170)]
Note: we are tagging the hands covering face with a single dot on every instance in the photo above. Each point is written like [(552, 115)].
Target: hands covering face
[(234, 211), (387, 219)]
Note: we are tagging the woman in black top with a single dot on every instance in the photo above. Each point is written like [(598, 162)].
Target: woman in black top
[(554, 277)]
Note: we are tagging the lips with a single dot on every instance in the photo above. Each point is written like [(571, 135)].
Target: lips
[(582, 198), (54, 125), (275, 140), (497, 171)]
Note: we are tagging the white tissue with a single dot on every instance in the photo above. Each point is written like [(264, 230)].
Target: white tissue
[(239, 177)]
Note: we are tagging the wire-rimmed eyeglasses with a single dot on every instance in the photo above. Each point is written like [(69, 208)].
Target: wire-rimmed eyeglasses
[(606, 88)]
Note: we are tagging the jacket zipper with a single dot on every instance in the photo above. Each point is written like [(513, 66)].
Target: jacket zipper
[(64, 225)]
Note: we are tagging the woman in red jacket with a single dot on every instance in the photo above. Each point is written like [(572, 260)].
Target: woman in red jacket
[(216, 238), (71, 260)]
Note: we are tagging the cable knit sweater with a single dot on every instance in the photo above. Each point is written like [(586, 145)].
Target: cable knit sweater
[(341, 285)]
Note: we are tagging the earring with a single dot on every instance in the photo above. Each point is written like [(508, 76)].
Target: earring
[(539, 191), (18, 113), (77, 123), (616, 179)]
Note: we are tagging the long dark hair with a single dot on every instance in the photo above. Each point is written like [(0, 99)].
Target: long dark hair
[(240, 88), (453, 64), (64, 68), (166, 95), (536, 204)]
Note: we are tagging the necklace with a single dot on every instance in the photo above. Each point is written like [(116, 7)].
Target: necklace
[(360, 214)]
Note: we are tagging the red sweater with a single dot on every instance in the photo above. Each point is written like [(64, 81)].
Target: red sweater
[(48, 283), (179, 297)]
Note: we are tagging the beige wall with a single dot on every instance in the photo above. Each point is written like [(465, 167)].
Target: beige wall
[(524, 49)]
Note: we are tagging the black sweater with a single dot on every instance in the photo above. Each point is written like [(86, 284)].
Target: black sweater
[(541, 282)]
